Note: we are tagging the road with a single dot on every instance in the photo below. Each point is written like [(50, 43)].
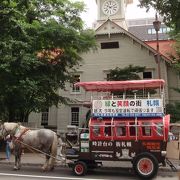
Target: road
[(64, 173)]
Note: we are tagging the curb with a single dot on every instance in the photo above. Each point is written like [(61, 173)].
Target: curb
[(30, 164)]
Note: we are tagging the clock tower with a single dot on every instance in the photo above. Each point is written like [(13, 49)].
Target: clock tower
[(113, 10)]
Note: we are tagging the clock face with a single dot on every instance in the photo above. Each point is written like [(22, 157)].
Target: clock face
[(110, 7)]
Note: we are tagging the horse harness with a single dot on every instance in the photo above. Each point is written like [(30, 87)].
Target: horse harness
[(17, 141), (19, 138)]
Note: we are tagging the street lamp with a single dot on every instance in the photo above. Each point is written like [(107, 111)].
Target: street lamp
[(157, 25)]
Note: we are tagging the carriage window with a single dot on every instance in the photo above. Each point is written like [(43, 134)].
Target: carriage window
[(146, 128), (121, 129), (107, 129), (132, 129), (96, 130), (159, 128)]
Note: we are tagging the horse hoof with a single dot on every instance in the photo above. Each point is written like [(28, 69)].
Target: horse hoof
[(44, 169), (15, 169), (51, 168)]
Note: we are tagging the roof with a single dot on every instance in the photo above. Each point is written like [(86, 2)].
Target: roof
[(121, 30), (141, 32), (121, 85), (165, 47)]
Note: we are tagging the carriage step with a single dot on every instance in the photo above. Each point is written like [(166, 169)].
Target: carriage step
[(171, 165)]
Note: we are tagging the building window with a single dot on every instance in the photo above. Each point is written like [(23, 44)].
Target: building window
[(109, 45), (162, 30), (150, 31), (75, 116), (147, 75), (76, 88), (108, 77), (44, 117)]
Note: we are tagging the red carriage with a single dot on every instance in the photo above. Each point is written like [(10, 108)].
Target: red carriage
[(127, 123)]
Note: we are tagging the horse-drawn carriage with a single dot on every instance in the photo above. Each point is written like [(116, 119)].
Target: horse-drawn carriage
[(127, 123)]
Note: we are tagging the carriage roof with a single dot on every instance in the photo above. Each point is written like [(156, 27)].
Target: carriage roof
[(121, 85)]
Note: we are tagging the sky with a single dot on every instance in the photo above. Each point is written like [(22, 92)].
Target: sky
[(132, 12)]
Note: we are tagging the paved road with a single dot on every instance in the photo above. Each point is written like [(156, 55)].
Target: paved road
[(31, 169), (34, 172)]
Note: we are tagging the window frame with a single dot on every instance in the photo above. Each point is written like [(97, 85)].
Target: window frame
[(75, 121), (45, 117), (110, 45), (77, 89), (148, 72)]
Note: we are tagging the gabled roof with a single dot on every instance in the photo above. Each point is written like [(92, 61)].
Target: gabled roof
[(109, 27)]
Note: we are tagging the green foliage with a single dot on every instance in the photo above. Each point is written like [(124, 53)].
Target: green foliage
[(174, 111), (169, 9), (29, 75), (176, 57), (128, 73)]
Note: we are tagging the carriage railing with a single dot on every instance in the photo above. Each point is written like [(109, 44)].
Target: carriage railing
[(156, 129), (127, 96)]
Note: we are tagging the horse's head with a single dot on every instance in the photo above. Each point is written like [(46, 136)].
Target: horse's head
[(2, 130), (7, 128)]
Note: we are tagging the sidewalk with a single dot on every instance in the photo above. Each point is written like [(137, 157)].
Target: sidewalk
[(39, 159), (26, 158)]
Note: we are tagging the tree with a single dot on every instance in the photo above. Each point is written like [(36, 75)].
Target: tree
[(128, 73), (169, 9), (40, 46), (174, 110)]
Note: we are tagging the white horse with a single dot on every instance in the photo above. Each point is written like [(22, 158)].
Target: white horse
[(44, 140)]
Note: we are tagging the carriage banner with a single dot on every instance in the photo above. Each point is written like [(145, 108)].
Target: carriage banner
[(128, 108)]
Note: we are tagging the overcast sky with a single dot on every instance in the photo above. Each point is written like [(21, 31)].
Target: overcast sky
[(132, 12)]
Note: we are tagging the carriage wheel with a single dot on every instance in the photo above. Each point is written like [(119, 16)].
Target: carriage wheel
[(80, 168), (146, 165)]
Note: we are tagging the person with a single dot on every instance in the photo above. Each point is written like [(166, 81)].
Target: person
[(8, 150)]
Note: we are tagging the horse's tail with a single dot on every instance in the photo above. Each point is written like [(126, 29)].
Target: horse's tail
[(54, 146), (53, 152)]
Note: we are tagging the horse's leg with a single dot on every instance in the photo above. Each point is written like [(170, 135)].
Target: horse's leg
[(16, 160), (19, 160), (17, 153), (45, 166), (53, 152), (15, 156)]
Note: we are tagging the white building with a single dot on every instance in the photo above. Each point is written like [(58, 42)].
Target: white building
[(116, 48)]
